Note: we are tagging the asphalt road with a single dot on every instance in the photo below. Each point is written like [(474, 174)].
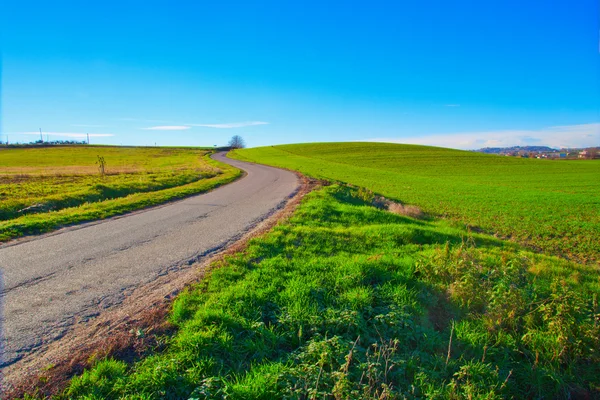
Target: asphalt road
[(52, 281)]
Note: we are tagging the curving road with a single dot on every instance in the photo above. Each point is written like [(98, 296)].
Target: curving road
[(52, 281)]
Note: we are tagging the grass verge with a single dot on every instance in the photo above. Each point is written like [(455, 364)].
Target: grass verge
[(350, 301), (102, 198)]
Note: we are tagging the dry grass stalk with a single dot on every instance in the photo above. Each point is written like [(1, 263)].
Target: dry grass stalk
[(398, 208), (406, 209)]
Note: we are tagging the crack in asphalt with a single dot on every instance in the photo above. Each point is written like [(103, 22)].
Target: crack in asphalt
[(28, 283)]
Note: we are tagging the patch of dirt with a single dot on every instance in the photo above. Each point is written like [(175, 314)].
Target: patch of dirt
[(406, 210), (129, 330), (395, 207)]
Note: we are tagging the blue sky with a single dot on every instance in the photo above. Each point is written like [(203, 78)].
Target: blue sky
[(463, 74)]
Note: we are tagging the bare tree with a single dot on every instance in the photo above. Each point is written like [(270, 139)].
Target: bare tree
[(236, 142)]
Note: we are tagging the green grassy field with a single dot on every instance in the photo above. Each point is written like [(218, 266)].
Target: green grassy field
[(553, 206), (45, 188), (348, 301)]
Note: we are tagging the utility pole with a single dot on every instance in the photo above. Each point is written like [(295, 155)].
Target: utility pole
[(88, 136), (41, 136)]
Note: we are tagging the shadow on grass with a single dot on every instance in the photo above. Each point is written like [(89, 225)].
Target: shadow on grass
[(342, 302)]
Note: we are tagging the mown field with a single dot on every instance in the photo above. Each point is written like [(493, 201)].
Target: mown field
[(348, 301), (552, 206), (44, 188)]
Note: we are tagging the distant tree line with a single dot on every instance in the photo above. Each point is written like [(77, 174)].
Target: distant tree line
[(42, 143)]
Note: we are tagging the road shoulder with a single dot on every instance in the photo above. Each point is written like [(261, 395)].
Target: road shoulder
[(128, 330)]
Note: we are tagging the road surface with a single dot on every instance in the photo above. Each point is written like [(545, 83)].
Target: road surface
[(52, 281)]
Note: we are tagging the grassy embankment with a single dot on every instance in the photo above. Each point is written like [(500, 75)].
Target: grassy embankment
[(553, 206), (349, 301), (42, 189)]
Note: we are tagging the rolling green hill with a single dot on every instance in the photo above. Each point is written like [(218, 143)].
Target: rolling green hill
[(349, 301), (553, 206)]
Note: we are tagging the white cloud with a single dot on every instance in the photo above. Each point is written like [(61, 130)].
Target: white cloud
[(181, 127), (65, 134), (142, 120), (167, 128), (582, 135), (232, 124)]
